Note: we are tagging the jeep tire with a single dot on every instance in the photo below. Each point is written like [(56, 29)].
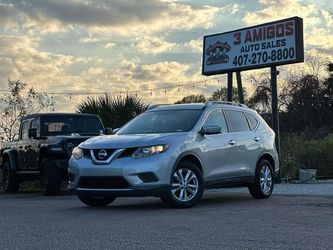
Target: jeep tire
[(9, 179), (50, 177)]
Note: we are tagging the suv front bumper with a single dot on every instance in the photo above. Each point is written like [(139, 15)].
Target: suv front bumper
[(122, 177)]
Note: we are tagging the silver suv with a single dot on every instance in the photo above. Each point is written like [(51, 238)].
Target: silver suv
[(175, 152)]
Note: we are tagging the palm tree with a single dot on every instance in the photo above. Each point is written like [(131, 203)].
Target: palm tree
[(113, 111)]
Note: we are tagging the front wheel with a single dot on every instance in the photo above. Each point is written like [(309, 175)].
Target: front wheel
[(95, 201), (186, 187), (263, 185), (50, 177), (9, 179)]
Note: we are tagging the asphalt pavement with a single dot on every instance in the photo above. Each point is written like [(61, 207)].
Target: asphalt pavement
[(222, 220)]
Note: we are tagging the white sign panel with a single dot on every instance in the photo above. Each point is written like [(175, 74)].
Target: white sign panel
[(260, 46)]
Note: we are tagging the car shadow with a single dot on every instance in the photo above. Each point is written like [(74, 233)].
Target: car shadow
[(149, 203)]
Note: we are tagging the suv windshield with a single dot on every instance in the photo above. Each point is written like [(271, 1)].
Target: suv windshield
[(162, 121), (67, 124)]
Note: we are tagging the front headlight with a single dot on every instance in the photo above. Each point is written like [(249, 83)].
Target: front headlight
[(149, 151), (77, 153)]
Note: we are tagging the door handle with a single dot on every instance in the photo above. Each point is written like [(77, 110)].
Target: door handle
[(232, 142), (256, 139)]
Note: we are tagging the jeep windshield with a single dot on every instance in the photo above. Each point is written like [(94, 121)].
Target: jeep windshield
[(162, 121), (71, 124)]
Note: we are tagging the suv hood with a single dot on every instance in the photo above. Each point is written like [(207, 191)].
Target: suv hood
[(130, 141)]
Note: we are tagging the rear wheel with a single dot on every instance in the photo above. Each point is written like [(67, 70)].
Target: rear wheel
[(95, 201), (263, 185), (9, 179), (186, 187), (50, 177)]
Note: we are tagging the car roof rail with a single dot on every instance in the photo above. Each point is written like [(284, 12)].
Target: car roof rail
[(227, 103), (153, 106)]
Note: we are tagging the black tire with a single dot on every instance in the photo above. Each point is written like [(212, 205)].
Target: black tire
[(95, 201), (256, 189), (50, 177), (169, 197), (9, 179)]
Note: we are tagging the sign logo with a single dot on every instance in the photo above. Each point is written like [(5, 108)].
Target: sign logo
[(217, 53), (102, 154)]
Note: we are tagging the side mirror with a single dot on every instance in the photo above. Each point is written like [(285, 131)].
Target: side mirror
[(210, 130), (32, 133), (108, 131), (115, 130)]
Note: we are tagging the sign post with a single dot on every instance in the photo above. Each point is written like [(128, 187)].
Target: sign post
[(229, 89), (265, 45), (240, 87)]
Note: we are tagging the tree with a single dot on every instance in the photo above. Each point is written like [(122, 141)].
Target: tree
[(192, 99), (222, 93), (113, 111), (18, 103), (261, 98)]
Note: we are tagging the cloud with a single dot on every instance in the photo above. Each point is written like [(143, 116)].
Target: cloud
[(109, 45), (195, 44), (117, 15), (168, 71), (153, 45), (318, 22), (89, 40)]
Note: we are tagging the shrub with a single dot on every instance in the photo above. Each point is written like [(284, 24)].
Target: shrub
[(297, 151)]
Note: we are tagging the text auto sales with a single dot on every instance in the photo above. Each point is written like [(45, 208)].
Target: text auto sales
[(269, 47)]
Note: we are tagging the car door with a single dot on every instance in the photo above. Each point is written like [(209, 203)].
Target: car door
[(23, 142), (241, 137), (215, 147), (32, 148)]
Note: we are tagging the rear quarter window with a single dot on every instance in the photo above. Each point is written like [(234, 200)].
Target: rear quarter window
[(252, 121)]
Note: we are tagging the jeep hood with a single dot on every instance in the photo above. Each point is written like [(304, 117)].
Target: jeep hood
[(130, 141)]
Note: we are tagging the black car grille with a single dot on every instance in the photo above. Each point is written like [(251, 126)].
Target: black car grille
[(86, 153), (114, 182)]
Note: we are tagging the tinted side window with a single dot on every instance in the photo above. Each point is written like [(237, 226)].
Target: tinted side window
[(252, 121), (35, 124), (237, 121), (24, 130), (216, 117)]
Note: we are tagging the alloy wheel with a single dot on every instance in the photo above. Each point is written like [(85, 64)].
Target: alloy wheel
[(266, 179), (185, 185)]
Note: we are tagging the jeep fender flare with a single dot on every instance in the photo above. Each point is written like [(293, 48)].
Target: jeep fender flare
[(11, 156)]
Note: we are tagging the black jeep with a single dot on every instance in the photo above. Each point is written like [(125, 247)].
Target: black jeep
[(44, 147)]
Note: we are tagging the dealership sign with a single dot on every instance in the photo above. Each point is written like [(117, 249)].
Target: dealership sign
[(260, 46)]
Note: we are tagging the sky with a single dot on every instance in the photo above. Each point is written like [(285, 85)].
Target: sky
[(149, 47)]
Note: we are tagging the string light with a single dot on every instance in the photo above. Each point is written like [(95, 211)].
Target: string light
[(183, 84)]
